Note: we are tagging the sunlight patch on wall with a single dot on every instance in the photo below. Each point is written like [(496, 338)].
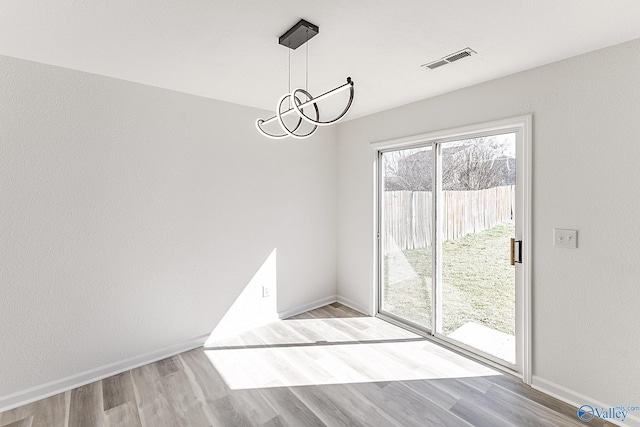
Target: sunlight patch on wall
[(255, 306)]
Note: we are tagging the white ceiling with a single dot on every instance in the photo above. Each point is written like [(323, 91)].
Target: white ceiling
[(229, 50)]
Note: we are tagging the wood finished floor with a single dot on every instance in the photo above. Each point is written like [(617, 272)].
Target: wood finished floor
[(328, 367)]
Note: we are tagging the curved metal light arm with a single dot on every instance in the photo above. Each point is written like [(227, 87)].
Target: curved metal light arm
[(298, 109), (290, 132), (259, 124), (287, 133)]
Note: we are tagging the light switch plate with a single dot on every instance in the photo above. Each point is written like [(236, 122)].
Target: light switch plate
[(563, 238)]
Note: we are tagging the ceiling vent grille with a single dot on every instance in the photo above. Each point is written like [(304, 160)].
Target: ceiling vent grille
[(456, 56), (438, 63)]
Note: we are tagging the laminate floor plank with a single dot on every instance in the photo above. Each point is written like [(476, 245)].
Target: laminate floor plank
[(16, 414), (349, 329), (555, 405), (383, 329), (52, 411), (311, 329), (330, 367), (240, 369), (292, 411), (25, 422), (341, 310), (203, 375), (430, 390), (374, 394), (343, 326), (277, 421), (408, 355), (305, 315), (264, 337), (86, 406), (292, 366), (153, 402), (169, 366), (420, 409), (283, 334), (227, 414), (324, 407), (347, 373), (523, 412), (360, 409), (505, 408), (185, 403), (118, 390), (479, 383), (125, 414), (370, 362), (256, 407), (220, 402), (477, 416), (225, 342)]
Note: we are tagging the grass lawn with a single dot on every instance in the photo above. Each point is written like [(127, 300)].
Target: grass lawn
[(477, 281)]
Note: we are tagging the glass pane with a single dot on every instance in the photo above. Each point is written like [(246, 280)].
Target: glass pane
[(406, 225), (478, 282)]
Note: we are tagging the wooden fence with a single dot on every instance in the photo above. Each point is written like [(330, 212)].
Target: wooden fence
[(408, 215)]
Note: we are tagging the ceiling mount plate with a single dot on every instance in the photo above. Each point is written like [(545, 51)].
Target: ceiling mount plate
[(299, 34)]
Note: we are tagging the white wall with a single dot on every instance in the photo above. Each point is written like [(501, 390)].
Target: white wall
[(132, 217), (586, 122)]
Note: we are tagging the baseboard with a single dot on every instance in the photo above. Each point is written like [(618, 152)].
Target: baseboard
[(577, 400), (306, 307), (52, 388), (353, 305), (321, 303)]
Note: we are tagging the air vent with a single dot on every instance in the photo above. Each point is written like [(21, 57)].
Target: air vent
[(464, 53), (457, 56), (436, 64)]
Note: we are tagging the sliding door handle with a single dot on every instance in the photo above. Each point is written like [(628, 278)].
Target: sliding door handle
[(513, 251)]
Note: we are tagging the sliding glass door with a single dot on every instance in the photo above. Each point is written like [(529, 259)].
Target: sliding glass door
[(406, 204), (447, 263)]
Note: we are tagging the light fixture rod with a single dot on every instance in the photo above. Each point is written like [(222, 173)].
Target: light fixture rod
[(311, 101)]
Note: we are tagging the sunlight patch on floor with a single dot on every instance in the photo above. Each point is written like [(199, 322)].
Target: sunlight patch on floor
[(267, 357)]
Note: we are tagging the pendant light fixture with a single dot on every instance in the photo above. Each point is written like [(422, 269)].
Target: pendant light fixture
[(300, 99)]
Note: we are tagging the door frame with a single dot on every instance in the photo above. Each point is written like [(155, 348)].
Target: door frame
[(522, 125)]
